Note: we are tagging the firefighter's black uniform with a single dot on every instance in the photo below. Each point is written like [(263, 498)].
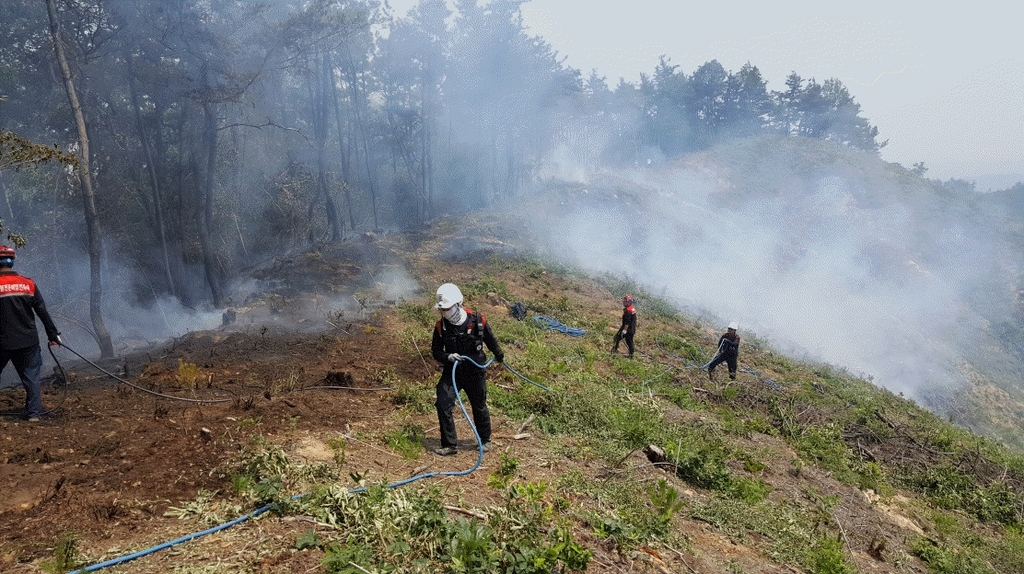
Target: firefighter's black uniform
[(628, 329), (728, 352), (468, 340), (20, 304)]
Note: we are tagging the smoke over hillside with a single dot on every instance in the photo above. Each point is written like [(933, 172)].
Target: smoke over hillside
[(838, 258), (224, 134)]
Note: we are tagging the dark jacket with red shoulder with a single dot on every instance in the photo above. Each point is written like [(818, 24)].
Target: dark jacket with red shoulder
[(467, 339), (628, 320), (20, 304)]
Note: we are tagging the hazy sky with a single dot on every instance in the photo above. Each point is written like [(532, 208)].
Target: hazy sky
[(945, 85)]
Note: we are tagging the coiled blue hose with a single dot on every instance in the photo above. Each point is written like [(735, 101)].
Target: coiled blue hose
[(555, 325)]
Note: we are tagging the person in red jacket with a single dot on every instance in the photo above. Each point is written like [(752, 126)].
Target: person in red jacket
[(20, 304), (628, 328), (461, 334)]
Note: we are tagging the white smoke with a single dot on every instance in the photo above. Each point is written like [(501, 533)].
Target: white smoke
[(877, 281)]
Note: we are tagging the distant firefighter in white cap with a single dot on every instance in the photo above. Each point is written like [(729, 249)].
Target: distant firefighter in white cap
[(728, 351)]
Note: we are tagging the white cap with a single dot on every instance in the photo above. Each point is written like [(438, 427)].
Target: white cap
[(448, 295), (734, 325)]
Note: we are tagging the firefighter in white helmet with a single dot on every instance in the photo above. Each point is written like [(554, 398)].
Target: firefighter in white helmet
[(460, 334), (728, 351)]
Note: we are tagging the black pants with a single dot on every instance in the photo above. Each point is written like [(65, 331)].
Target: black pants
[(729, 359), (628, 338), (471, 379)]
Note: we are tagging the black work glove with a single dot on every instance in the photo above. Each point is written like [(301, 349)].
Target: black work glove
[(500, 358)]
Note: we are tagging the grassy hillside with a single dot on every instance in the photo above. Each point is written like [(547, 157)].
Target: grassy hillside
[(793, 467), (832, 252)]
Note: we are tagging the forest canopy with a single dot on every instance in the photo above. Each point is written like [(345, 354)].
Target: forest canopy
[(218, 131)]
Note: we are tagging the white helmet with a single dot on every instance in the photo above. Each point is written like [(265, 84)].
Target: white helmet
[(448, 296), (734, 325)]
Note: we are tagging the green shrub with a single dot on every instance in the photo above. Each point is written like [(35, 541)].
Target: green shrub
[(636, 425), (944, 559), (704, 468), (953, 489), (338, 446), (785, 530), (472, 548), (478, 290), (683, 348), (263, 460), (422, 314), (1008, 553), (870, 476), (507, 467), (411, 532), (65, 555), (418, 398), (826, 557), (666, 502), (561, 307), (350, 558), (825, 445), (612, 527), (530, 266), (308, 539), (749, 490), (407, 440)]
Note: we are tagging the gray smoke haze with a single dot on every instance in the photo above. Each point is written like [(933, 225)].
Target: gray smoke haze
[(132, 323), (878, 280), (64, 282), (139, 322)]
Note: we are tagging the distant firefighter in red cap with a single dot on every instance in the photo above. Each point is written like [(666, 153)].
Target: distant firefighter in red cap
[(628, 328)]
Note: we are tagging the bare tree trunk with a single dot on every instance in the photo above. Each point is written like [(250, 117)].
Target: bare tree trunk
[(406, 155), (92, 220), (322, 127), (158, 211), (177, 189), (361, 126), (427, 164), (206, 206), (344, 154), (7, 201)]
